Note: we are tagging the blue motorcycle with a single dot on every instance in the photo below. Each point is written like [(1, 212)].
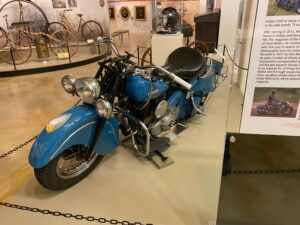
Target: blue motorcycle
[(289, 4), (143, 102)]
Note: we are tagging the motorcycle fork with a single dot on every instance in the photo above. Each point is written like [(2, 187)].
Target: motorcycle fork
[(100, 126)]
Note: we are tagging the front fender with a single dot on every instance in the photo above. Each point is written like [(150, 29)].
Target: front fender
[(79, 129)]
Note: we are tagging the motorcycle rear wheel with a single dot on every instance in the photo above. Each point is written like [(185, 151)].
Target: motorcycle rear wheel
[(68, 168)]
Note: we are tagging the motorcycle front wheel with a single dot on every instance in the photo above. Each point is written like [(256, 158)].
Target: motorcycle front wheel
[(287, 110), (68, 168)]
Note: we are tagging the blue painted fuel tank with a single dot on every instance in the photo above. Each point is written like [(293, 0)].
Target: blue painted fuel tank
[(140, 89)]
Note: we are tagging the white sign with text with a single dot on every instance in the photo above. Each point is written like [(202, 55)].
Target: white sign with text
[(272, 95)]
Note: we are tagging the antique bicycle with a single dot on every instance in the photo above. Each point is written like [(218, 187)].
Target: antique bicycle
[(16, 43), (26, 11), (89, 30)]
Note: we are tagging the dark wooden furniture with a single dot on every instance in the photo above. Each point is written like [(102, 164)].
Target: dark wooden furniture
[(207, 29)]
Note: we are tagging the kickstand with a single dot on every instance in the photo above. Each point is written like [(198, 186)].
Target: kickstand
[(161, 160)]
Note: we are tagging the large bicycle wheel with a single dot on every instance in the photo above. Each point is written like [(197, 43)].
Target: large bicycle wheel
[(91, 30), (18, 49), (63, 43), (3, 38), (23, 10), (147, 57), (54, 26), (200, 46)]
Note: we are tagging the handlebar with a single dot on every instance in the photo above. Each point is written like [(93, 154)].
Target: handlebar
[(175, 78), (127, 58)]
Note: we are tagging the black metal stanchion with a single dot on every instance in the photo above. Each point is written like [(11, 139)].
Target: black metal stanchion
[(227, 157), (69, 53), (99, 49), (12, 57), (138, 54), (224, 49)]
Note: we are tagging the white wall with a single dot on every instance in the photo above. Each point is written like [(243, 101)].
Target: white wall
[(202, 6), (247, 29), (131, 24), (228, 23)]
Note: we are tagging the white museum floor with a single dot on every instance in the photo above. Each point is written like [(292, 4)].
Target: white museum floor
[(123, 186)]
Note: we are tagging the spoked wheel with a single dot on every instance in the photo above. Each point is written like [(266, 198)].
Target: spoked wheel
[(19, 47), (200, 46), (287, 110), (25, 10), (63, 42), (278, 3), (68, 168), (54, 26), (3, 38), (147, 57), (91, 30)]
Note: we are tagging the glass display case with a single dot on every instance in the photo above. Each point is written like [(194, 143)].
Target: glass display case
[(159, 6), (261, 147)]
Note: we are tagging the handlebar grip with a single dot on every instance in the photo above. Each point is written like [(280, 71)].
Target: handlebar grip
[(182, 82)]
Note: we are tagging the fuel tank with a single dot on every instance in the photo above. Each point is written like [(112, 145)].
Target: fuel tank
[(140, 89)]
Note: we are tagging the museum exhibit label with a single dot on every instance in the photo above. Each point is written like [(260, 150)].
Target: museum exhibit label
[(271, 104)]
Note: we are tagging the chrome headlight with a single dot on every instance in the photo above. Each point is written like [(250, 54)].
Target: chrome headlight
[(88, 89), (104, 108), (68, 83), (57, 122)]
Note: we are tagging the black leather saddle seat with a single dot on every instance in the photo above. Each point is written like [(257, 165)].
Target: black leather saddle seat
[(22, 24), (187, 63), (79, 14)]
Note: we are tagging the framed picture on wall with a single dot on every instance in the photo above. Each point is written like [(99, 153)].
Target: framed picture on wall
[(101, 3), (72, 3), (111, 11), (125, 13), (59, 4), (140, 12)]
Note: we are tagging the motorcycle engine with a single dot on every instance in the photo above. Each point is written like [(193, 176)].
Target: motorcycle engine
[(165, 118)]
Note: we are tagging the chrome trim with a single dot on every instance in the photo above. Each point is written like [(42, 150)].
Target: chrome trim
[(114, 48), (60, 120), (196, 108), (147, 140), (208, 72), (133, 140), (112, 130), (70, 137), (83, 167)]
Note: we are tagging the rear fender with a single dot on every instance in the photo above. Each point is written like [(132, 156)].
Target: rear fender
[(80, 128)]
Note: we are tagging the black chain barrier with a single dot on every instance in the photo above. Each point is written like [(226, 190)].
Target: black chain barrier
[(70, 215), (265, 172), (57, 213), (114, 221), (18, 147)]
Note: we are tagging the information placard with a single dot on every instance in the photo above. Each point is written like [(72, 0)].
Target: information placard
[(271, 104)]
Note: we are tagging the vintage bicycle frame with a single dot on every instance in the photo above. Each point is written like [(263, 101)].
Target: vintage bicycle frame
[(64, 20), (21, 14)]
